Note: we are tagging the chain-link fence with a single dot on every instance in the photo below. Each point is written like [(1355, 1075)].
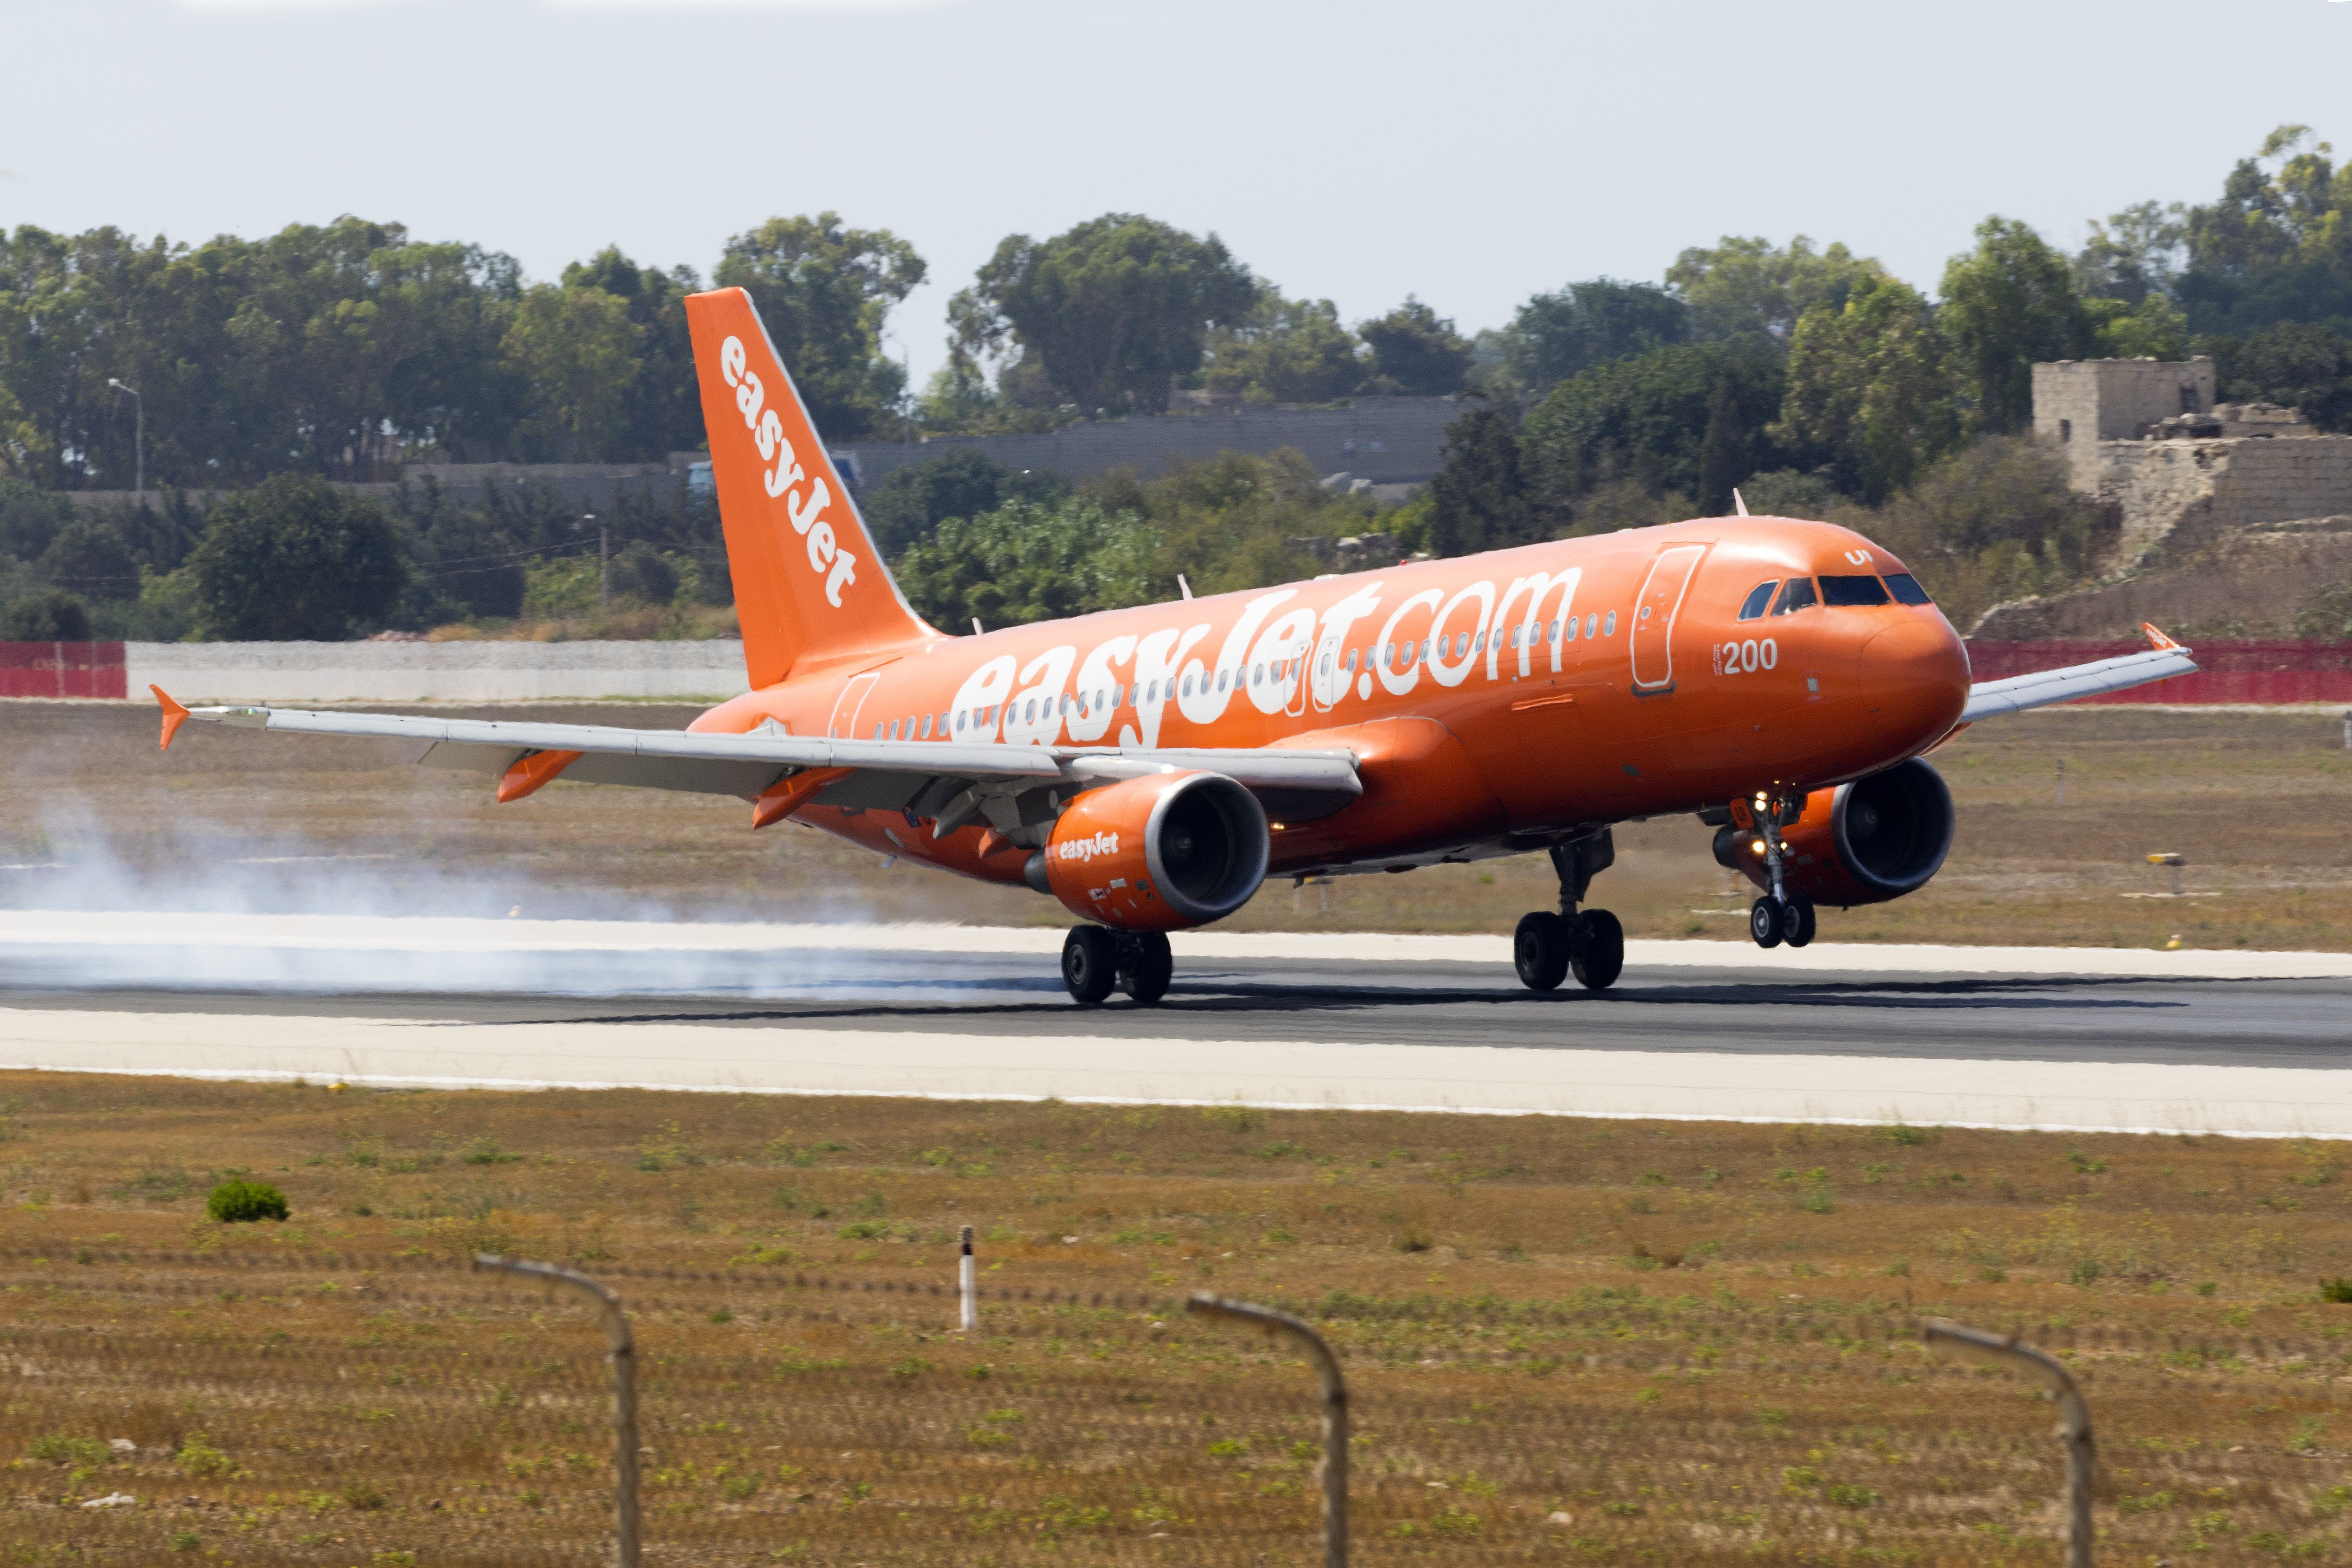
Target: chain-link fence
[(264, 1407)]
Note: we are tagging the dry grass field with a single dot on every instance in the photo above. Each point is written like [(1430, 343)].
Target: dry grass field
[(2256, 801), (1567, 1341)]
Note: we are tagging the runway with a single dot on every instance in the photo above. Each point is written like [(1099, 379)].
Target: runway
[(2106, 1039)]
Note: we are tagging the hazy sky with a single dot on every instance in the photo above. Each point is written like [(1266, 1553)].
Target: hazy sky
[(1470, 153)]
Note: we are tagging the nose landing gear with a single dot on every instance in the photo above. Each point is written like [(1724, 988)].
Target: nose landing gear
[(1589, 943), (1780, 915), (1095, 961)]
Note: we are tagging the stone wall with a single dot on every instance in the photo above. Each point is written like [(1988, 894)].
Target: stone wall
[(1388, 440), (586, 487), (287, 672), (2176, 497)]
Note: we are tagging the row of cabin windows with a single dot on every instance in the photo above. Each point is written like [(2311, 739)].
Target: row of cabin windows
[(1396, 656), (1861, 589)]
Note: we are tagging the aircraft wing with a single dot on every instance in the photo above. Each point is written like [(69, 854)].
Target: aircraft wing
[(946, 780), (2164, 659)]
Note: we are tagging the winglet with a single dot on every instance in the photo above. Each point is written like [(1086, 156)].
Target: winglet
[(173, 716), (2156, 639)]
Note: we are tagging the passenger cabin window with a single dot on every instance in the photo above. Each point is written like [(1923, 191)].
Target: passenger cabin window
[(1797, 595), (1852, 591), (1907, 589), (1758, 598)]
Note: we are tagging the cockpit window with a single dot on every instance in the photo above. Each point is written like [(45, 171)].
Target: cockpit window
[(1907, 589), (1797, 595), (1758, 597), (1851, 590)]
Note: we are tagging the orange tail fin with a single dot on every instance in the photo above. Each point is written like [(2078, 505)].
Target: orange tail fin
[(808, 581)]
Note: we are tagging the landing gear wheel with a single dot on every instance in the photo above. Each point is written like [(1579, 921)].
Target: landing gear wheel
[(1767, 921), (1146, 966), (1089, 964), (1598, 956), (1800, 926), (1539, 950)]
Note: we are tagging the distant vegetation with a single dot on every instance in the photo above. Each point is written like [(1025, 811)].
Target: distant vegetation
[(1807, 375)]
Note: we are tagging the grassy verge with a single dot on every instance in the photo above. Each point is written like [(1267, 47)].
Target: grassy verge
[(2254, 800), (1567, 1339)]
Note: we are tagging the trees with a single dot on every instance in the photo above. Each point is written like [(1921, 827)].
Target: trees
[(1869, 388), (963, 481), (1029, 560), (1690, 417), (1416, 352), (1113, 311), (50, 615), (2276, 246), (1554, 336), (823, 291), (1285, 350), (662, 407), (2154, 329), (1479, 497), (2132, 254), (576, 350), (295, 557), (2301, 365), (1745, 285), (2007, 304)]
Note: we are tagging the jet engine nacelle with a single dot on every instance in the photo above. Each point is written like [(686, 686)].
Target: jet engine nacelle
[(1861, 843), (1157, 853)]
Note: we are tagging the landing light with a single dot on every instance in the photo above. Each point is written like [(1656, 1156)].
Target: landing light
[(1757, 846)]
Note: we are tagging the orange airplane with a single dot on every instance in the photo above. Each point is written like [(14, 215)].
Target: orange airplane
[(1151, 767)]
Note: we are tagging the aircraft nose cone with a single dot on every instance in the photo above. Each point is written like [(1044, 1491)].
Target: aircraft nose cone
[(1915, 679)]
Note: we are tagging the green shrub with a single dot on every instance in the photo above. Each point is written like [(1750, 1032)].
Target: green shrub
[(2339, 1290), (60, 1449), (233, 1203), (200, 1460)]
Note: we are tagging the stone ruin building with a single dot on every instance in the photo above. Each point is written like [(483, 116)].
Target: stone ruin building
[(2227, 515)]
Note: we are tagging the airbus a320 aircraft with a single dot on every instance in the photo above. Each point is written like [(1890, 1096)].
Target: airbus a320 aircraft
[(1151, 767)]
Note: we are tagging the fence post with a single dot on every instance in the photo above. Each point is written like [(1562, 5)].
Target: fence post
[(968, 1303), (2073, 1414), (1334, 1470), (623, 1354)]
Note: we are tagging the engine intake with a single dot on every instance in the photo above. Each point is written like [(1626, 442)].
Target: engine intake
[(1158, 853), (1861, 843)]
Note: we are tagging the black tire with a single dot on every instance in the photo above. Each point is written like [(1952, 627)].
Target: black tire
[(1799, 927), (1089, 964), (1539, 950), (1768, 920), (1600, 956), (1149, 969)]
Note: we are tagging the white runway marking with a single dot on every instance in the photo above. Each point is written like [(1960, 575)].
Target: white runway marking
[(1674, 1086), (428, 934)]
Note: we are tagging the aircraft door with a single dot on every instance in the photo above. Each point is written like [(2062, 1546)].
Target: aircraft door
[(843, 726), (1302, 676), (1325, 679), (1654, 616)]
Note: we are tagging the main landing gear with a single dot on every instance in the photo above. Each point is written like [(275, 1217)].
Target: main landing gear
[(1780, 915), (1589, 943), (1095, 960)]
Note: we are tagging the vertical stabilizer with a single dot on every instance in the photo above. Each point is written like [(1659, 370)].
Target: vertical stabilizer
[(809, 583)]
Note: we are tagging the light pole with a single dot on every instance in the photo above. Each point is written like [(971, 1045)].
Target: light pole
[(604, 558), (139, 440)]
